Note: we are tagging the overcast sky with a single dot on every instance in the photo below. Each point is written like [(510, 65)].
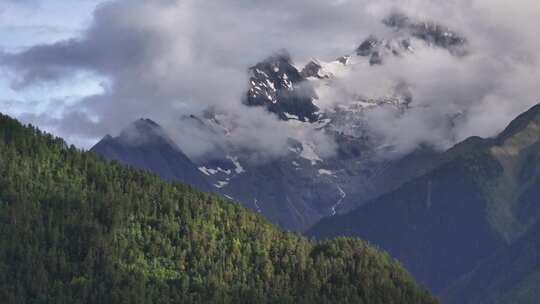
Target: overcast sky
[(26, 23), (85, 68)]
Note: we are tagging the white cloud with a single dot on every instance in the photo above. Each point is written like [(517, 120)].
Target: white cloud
[(165, 58)]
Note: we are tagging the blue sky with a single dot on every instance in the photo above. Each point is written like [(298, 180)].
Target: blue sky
[(26, 23)]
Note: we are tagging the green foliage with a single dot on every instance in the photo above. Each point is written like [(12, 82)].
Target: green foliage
[(77, 229)]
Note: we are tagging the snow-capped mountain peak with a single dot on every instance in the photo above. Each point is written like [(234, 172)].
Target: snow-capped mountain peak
[(432, 33), (276, 84), (320, 112)]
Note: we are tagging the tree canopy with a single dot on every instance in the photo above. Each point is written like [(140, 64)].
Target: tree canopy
[(77, 229)]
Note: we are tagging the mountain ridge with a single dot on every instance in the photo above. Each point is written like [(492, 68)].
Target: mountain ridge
[(477, 200), (302, 185), (144, 144)]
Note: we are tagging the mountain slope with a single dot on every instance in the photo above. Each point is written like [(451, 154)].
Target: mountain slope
[(300, 188), (511, 275), (436, 224), (145, 145), (294, 191), (305, 182), (77, 229), (440, 225)]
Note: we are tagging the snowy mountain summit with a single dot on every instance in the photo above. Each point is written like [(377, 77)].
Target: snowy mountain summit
[(276, 84), (306, 183), (307, 93)]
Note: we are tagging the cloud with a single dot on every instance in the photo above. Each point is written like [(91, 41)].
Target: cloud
[(456, 97), (164, 59), (499, 79)]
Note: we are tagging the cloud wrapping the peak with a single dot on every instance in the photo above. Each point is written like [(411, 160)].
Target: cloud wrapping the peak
[(163, 59)]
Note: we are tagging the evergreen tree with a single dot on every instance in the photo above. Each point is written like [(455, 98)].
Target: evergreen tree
[(77, 229)]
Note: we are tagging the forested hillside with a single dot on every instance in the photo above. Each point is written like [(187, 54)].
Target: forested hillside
[(77, 229)]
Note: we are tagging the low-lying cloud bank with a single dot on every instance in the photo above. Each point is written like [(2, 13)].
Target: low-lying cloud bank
[(164, 59)]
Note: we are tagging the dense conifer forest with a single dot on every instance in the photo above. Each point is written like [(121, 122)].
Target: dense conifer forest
[(77, 229)]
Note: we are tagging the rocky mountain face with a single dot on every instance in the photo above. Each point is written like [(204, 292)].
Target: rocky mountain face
[(406, 31), (305, 185), (480, 198), (432, 33), (299, 189), (276, 84)]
